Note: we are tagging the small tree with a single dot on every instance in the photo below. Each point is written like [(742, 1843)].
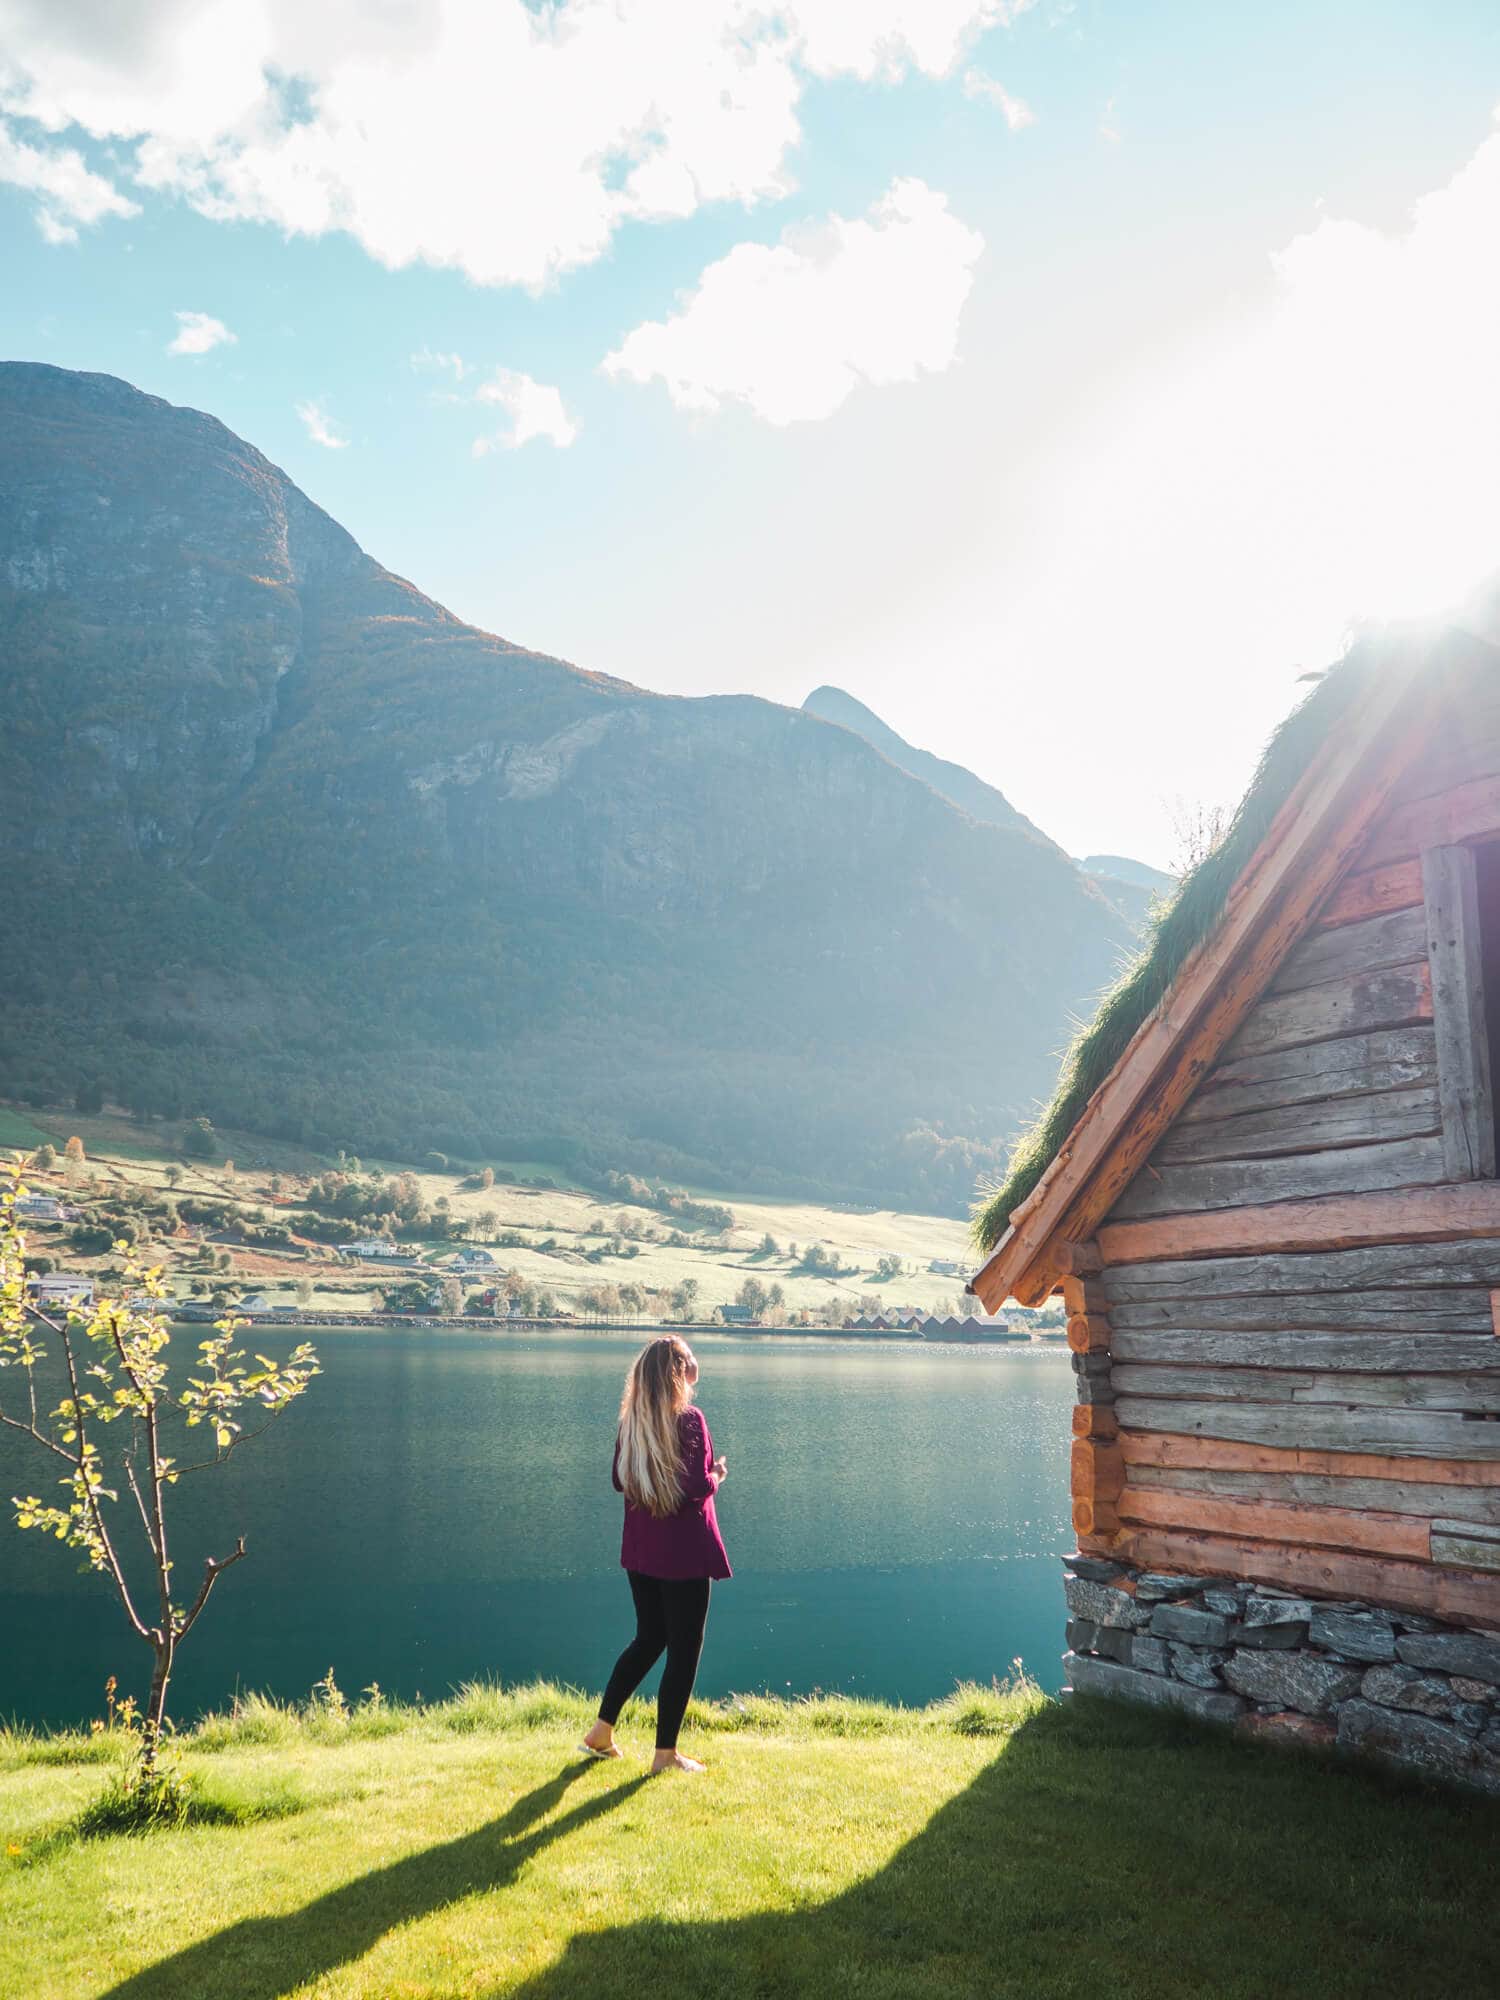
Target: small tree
[(173, 1174), (74, 1152), (753, 1296), (45, 1159), (116, 1373), (199, 1140)]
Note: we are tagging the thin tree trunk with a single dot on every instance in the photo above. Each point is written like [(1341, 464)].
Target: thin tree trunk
[(156, 1710)]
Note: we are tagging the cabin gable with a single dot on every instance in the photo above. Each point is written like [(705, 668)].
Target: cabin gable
[(1285, 1333)]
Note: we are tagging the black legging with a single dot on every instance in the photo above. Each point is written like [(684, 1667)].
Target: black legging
[(670, 1614)]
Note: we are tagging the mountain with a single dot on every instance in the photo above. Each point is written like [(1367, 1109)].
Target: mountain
[(288, 844), (950, 781), (1129, 886), (1119, 868)]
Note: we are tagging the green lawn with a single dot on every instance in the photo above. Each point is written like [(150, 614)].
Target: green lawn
[(16, 1129), (999, 1846)]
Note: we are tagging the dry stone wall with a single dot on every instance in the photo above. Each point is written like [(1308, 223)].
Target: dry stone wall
[(1392, 1684)]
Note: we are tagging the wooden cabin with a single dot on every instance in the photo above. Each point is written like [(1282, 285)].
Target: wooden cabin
[(1267, 1193)]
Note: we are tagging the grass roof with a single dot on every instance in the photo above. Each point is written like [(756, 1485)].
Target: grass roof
[(1176, 930)]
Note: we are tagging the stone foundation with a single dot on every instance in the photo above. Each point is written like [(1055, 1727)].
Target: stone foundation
[(1392, 1684)]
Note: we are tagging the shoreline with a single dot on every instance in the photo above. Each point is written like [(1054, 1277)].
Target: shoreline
[(698, 1330)]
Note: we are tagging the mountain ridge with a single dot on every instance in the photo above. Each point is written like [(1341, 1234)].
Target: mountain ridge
[(316, 857)]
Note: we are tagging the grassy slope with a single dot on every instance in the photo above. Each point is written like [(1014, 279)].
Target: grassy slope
[(832, 1849), (121, 1151)]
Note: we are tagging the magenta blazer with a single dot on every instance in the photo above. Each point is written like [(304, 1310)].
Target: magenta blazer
[(687, 1543)]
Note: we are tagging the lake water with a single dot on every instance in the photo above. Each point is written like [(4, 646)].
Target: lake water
[(438, 1508)]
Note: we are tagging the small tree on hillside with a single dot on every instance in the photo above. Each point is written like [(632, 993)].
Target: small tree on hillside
[(199, 1140), (116, 1429)]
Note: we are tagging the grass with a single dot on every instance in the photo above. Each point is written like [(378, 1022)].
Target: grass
[(16, 1129), (994, 1845)]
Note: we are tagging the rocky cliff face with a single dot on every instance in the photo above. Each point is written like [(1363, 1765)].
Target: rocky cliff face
[(328, 860)]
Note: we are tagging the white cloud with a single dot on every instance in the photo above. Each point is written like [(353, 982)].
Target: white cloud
[(319, 426), (535, 410), (428, 361), (791, 330), (198, 333), (68, 191), (1014, 110), (496, 137)]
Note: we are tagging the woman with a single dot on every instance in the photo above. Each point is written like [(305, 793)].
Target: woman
[(670, 1550)]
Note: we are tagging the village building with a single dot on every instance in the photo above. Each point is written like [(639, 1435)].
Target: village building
[(472, 1260), (60, 1288), (377, 1248), (1267, 1192), (42, 1208)]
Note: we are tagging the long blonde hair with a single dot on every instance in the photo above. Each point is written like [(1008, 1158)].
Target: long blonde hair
[(657, 1391)]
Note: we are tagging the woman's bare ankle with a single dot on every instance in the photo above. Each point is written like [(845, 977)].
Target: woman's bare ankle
[(602, 1738), (674, 1760)]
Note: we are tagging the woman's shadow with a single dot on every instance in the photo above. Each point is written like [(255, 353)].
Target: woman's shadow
[(264, 1957)]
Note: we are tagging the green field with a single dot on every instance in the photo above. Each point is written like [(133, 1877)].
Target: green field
[(994, 1846)]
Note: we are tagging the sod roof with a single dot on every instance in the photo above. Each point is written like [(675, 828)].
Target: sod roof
[(1176, 930)]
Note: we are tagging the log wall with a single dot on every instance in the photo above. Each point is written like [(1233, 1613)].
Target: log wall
[(1322, 1419)]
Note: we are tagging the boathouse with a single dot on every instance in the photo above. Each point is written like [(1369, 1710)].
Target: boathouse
[(1266, 1190)]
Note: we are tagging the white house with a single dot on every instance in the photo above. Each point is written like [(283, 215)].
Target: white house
[(472, 1260), (42, 1208), (376, 1247), (61, 1288)]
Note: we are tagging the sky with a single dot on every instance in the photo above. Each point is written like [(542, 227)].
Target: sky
[(1062, 378)]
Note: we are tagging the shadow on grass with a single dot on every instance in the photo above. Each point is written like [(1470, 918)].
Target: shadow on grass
[(265, 1957), (1114, 1851)]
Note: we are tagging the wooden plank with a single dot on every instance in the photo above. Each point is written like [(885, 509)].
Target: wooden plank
[(1353, 951), (1391, 1496), (1322, 1426), (1364, 1120), (1395, 999), (1097, 1470), (1088, 1333), (1309, 846), (1293, 1388), (1467, 1550), (1449, 819), (1378, 1534), (1180, 1453), (1456, 957), (1421, 1269), (1313, 1072), (1466, 1597), (1186, 1190), (1473, 1544), (1095, 1421), (1340, 1222), (1386, 1315), (1083, 1295), (1355, 1353), (1456, 756), (1094, 1518), (1397, 886)]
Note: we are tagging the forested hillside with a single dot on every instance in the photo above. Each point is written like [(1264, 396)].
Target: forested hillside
[(290, 845)]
